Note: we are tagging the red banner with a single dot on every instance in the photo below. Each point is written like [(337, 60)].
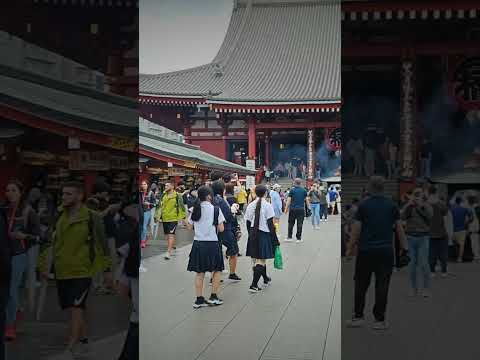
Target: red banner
[(333, 138)]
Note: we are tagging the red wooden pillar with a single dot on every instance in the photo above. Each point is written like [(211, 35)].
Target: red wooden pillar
[(252, 151), (187, 133), (268, 134)]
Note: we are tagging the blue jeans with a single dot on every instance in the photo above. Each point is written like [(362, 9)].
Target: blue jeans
[(419, 251), (323, 211), (19, 267), (315, 214), (147, 215)]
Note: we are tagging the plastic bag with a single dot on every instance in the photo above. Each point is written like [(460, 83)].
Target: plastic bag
[(278, 261)]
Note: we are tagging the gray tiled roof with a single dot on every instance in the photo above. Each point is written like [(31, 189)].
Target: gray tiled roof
[(273, 51), (186, 152), (68, 104)]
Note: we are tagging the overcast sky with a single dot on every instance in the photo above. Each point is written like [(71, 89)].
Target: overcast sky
[(178, 34)]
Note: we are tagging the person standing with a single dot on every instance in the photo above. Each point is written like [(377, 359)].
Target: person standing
[(461, 218), (418, 216), (315, 199), (5, 273), (242, 198), (208, 222), (79, 253), (23, 232), (149, 203), (324, 203), (262, 237), (172, 211), (474, 226), (277, 205), (297, 197), (438, 233), (371, 234)]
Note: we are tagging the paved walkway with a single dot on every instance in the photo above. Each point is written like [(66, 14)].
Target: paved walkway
[(293, 319), (444, 326), (108, 318)]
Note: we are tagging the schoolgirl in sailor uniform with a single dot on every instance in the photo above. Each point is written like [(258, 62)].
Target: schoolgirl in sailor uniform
[(206, 254), (262, 237)]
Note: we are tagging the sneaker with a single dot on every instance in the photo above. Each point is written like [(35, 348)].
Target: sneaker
[(167, 256), (288, 240), (356, 322), (299, 241), (380, 325), (142, 268), (254, 289), (214, 301), (267, 282), (199, 303), (234, 277)]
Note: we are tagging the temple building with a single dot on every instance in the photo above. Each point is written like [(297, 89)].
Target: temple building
[(272, 93), (410, 76)]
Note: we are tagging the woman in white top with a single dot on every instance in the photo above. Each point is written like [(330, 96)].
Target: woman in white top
[(262, 238), (206, 254)]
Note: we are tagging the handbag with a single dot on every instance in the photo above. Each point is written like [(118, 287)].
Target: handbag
[(308, 212), (278, 260)]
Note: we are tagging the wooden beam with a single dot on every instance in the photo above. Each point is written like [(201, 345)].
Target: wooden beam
[(314, 125)]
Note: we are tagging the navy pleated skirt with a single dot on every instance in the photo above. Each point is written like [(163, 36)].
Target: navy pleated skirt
[(261, 247), (205, 256)]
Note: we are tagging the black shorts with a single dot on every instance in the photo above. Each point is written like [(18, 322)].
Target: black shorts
[(170, 227), (228, 240), (73, 292)]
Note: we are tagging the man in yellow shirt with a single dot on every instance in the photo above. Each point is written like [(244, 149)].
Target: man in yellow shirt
[(242, 197), (173, 210)]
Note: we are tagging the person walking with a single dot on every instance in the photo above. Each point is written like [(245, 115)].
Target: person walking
[(208, 222), (324, 203), (418, 217), (23, 232), (172, 211), (79, 252), (461, 219), (438, 233), (371, 237), (228, 237), (262, 237), (315, 199), (295, 208)]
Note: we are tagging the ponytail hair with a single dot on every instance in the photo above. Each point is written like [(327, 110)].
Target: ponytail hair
[(203, 192), (260, 191)]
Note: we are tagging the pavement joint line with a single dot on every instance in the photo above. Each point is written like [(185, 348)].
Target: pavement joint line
[(331, 310), (288, 305)]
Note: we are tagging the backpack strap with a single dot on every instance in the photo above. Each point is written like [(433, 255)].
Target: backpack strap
[(216, 213)]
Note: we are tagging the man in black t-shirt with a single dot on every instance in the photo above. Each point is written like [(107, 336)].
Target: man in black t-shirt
[(372, 236)]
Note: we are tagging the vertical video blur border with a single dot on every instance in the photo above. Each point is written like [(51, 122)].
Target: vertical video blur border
[(410, 118), (68, 179)]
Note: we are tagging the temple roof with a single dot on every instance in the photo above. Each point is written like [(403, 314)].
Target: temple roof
[(274, 52)]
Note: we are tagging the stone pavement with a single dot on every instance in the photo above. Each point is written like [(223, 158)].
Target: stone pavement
[(108, 319), (297, 317), (444, 326)]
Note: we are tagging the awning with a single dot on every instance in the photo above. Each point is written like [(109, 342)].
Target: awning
[(186, 155)]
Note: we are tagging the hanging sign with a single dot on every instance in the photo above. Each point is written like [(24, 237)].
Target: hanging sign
[(123, 144), (333, 138), (464, 81), (250, 165), (407, 121), (311, 154), (84, 160), (250, 182), (174, 171)]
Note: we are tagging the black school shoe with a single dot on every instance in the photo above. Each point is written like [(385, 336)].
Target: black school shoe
[(267, 282), (234, 277), (200, 302), (254, 289)]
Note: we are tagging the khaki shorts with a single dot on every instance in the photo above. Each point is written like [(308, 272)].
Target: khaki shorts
[(459, 237)]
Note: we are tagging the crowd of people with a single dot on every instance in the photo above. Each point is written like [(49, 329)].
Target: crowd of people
[(293, 169), (79, 244), (217, 211), (422, 231)]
